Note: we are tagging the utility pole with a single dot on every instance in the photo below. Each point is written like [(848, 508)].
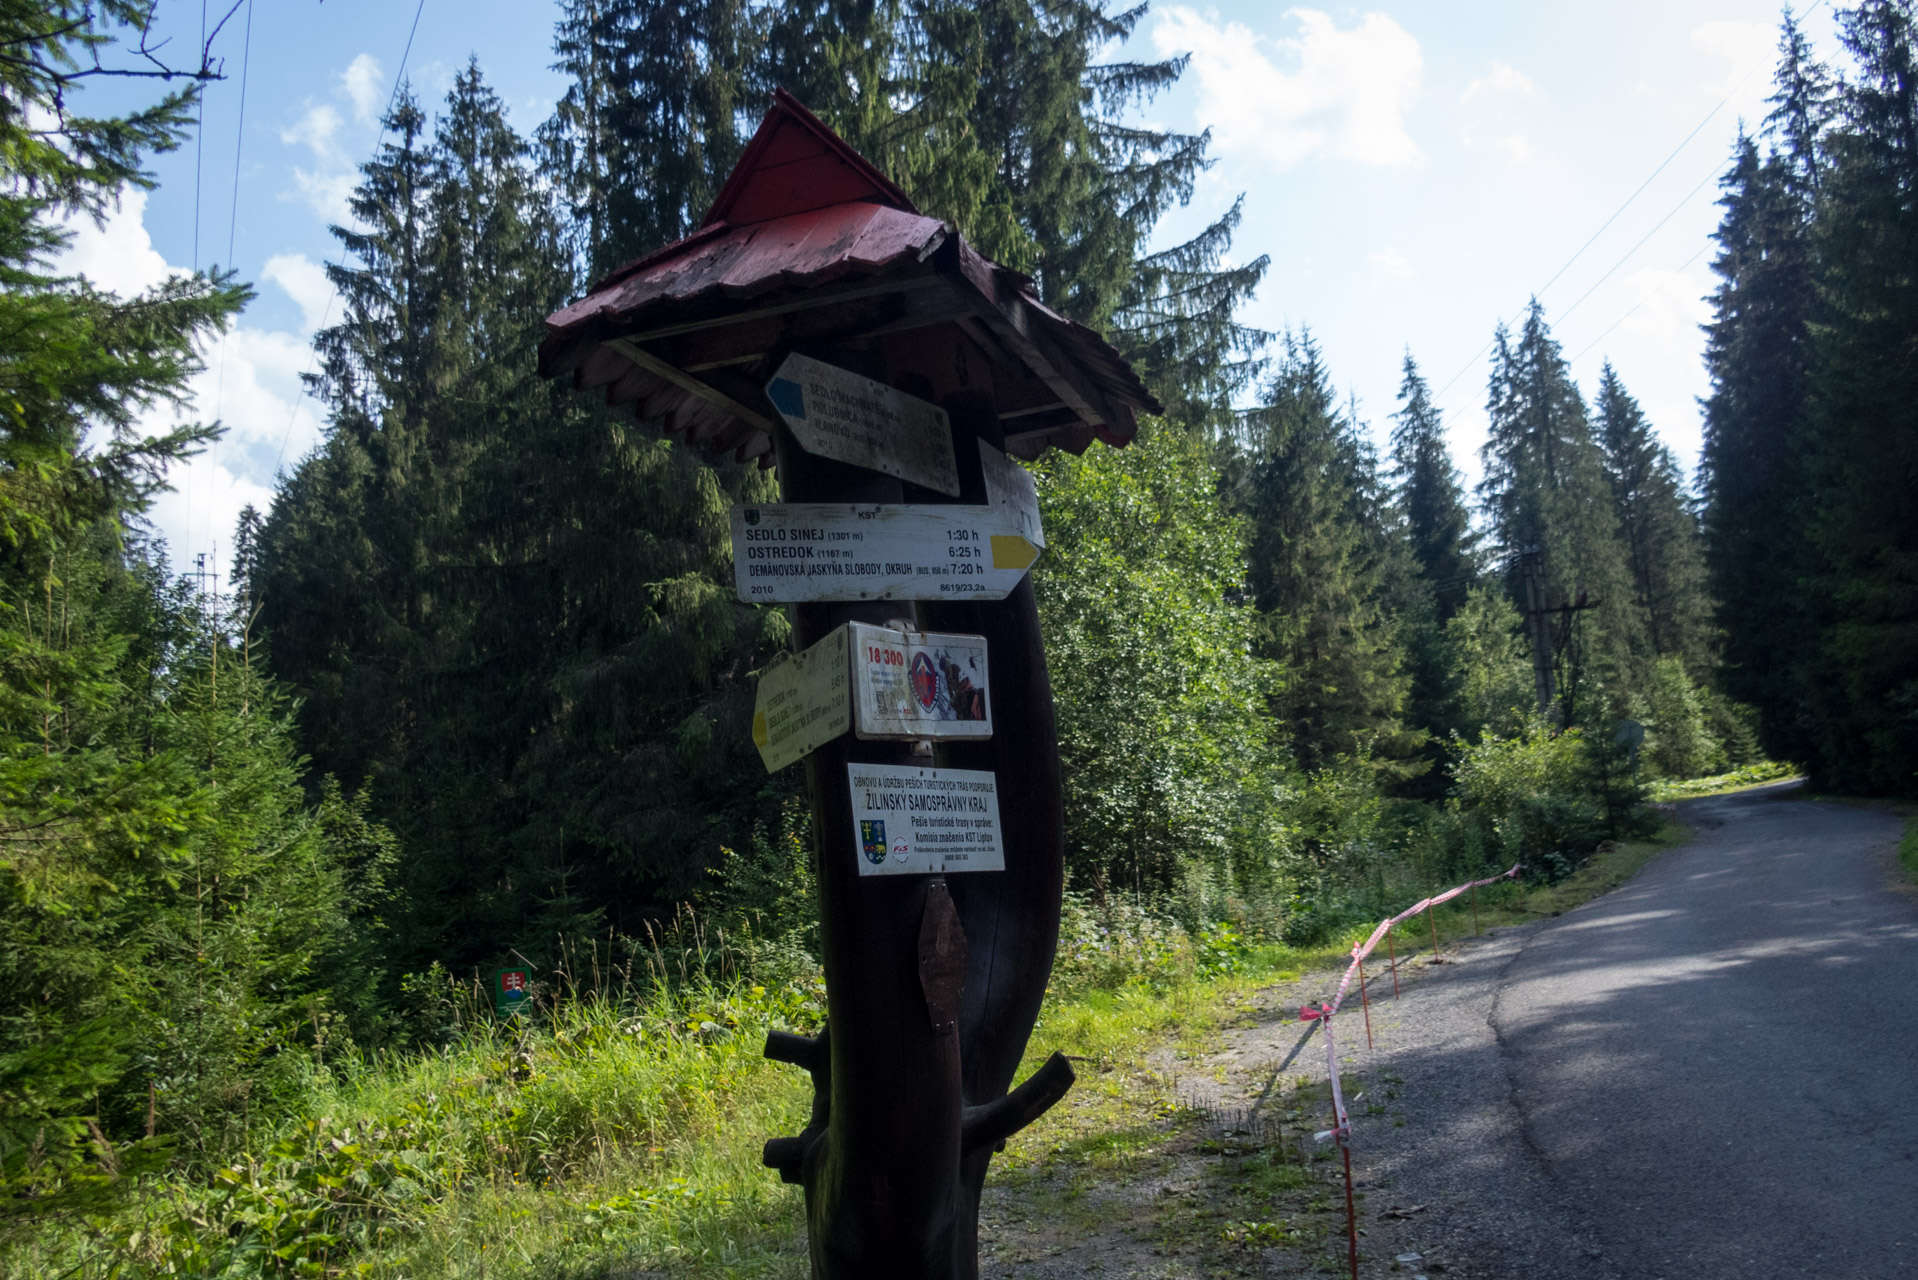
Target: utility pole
[(1538, 629)]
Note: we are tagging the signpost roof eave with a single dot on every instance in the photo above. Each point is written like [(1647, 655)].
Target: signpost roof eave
[(685, 334)]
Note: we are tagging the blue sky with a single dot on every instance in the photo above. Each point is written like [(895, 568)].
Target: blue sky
[(1415, 171)]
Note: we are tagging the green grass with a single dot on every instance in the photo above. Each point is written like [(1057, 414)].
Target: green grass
[(1908, 848), (1761, 774), (610, 1136)]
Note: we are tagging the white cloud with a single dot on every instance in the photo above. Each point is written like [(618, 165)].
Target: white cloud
[(1389, 266), (1502, 78), (202, 511), (1516, 147), (327, 186), (1340, 91), (251, 383), (1747, 50), (305, 282), (361, 83), (117, 255)]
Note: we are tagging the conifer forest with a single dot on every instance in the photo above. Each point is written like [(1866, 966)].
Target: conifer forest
[(478, 690)]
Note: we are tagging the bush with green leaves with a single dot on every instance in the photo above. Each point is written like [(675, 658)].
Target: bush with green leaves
[(1677, 714), (1168, 757)]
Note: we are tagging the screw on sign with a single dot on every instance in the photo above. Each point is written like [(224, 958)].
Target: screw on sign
[(817, 321)]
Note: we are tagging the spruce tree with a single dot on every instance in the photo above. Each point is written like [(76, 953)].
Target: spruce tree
[(1544, 487), (508, 610), (1858, 693), (1434, 531), (1431, 495), (1659, 527), (1754, 468), (166, 901), (650, 124), (1301, 476), (999, 118)]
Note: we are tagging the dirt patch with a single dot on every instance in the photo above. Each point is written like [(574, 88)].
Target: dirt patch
[(1201, 1164)]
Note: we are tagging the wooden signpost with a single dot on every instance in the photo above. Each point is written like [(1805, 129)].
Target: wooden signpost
[(835, 413), (818, 322)]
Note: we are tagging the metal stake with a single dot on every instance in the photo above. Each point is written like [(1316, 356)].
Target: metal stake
[(1351, 1214), (1366, 1004)]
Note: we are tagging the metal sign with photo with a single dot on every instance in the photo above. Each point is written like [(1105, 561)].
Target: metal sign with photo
[(910, 684)]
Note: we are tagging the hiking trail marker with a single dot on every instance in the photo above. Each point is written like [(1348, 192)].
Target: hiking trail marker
[(912, 684), (837, 414), (802, 702), (799, 552)]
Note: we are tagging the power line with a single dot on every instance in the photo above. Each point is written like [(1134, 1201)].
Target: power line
[(399, 78), (199, 143), (1586, 349), (246, 59), (1686, 141), (1687, 199), (233, 212)]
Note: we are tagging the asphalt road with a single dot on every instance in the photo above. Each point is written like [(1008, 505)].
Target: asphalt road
[(1716, 1066)]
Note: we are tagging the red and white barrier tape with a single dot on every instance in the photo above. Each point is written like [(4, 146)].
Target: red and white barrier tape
[(1323, 1013)]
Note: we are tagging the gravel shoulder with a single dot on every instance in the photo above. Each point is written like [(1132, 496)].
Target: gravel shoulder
[(1225, 1177), (1703, 1073)]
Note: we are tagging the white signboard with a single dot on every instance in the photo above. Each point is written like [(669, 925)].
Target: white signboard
[(908, 819), (793, 552), (910, 684), (802, 702), (1011, 493), (837, 414)]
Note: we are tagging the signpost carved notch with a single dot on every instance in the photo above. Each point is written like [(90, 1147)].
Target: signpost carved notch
[(817, 321)]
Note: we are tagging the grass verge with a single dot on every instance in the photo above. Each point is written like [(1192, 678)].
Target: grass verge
[(1764, 773), (614, 1137)]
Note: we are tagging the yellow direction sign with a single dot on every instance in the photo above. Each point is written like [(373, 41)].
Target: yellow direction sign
[(803, 702)]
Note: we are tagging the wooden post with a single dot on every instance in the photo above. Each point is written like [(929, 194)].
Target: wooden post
[(874, 1205), (1392, 955), (1476, 932), (1011, 917), (909, 1112), (1431, 918)]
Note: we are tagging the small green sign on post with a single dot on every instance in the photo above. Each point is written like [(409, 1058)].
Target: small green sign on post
[(510, 992)]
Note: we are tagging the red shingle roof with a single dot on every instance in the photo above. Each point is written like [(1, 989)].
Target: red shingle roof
[(808, 239)]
